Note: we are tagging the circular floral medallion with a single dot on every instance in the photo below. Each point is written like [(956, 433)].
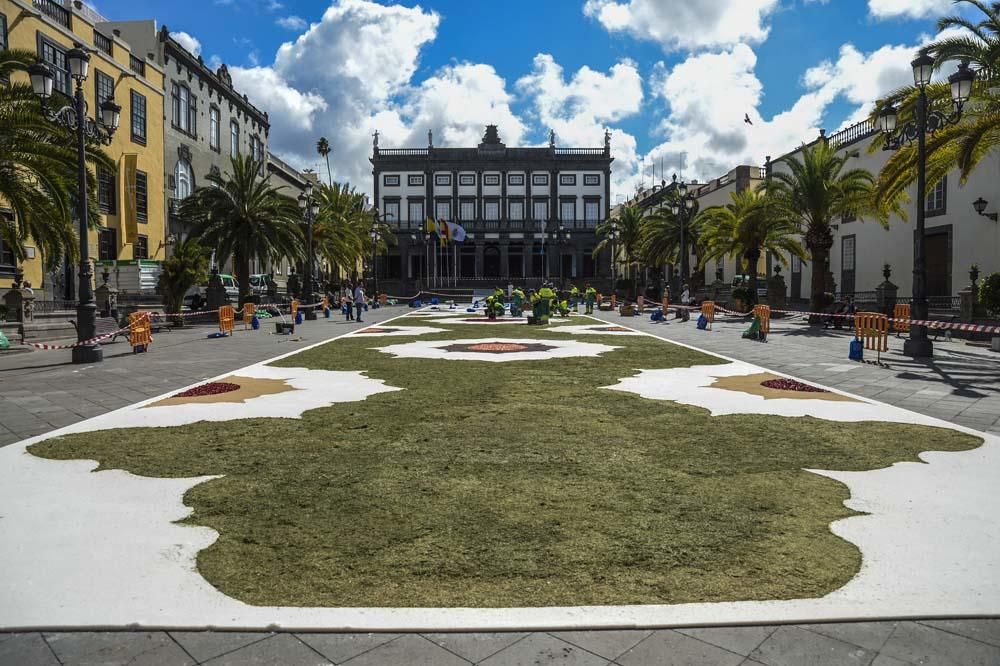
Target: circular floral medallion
[(499, 347), (496, 349), (209, 388), (786, 384)]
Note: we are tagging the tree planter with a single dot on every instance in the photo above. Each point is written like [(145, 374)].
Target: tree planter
[(284, 328)]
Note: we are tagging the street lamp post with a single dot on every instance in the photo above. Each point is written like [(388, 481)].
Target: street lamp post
[(927, 121), (310, 208), (614, 257), (374, 236), (75, 118), (683, 209)]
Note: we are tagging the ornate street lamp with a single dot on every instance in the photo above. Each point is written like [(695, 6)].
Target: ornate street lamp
[(374, 235), (614, 257), (927, 121), (980, 206), (683, 209), (74, 117), (310, 209)]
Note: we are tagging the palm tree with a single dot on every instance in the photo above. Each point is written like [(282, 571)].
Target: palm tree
[(629, 228), (241, 215), (323, 148), (341, 229), (661, 235), (186, 266), (815, 189), (746, 228), (977, 134), (38, 162)]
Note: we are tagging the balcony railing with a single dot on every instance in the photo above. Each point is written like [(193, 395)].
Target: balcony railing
[(529, 226), (137, 65), (580, 151), (54, 10), (104, 43), (403, 152), (855, 132)]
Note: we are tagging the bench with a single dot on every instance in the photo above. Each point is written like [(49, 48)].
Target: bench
[(104, 326)]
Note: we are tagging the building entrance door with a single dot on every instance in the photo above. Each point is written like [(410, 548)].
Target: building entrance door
[(491, 261), (938, 252)]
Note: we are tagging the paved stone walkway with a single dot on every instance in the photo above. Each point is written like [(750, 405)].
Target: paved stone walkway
[(965, 643), (960, 384), (41, 391)]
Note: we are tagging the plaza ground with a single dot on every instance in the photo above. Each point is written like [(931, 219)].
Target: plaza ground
[(964, 378)]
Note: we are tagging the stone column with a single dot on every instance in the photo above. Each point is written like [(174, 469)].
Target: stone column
[(504, 254), (20, 302), (479, 259), (776, 291)]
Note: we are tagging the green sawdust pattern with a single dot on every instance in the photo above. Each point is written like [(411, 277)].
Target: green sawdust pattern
[(514, 484)]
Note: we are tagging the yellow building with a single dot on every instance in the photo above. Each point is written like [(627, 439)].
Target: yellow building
[(131, 200)]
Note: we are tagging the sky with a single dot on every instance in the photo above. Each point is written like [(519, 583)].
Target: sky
[(671, 79)]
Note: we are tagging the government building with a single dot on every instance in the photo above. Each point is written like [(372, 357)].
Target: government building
[(530, 214)]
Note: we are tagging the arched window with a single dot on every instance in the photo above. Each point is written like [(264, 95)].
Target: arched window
[(184, 179)]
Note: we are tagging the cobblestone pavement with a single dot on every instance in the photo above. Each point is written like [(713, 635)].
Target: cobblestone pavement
[(41, 391)]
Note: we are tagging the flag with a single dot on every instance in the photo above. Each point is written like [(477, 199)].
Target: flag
[(444, 232), (457, 232), (431, 227)]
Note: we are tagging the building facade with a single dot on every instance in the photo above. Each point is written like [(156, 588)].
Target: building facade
[(131, 227), (207, 121), (956, 236), (529, 213)]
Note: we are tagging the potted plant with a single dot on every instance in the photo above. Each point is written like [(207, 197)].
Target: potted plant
[(744, 299), (185, 268), (989, 296)]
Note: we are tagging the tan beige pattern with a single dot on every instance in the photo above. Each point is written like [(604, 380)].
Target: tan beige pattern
[(752, 384), (250, 387)]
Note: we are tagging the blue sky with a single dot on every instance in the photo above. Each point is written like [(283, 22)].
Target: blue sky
[(781, 61)]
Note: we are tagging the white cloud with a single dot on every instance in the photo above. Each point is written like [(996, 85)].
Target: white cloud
[(187, 41), (913, 9), (682, 24), (580, 109), (292, 22)]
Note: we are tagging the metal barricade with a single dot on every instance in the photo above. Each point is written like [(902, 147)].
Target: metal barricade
[(708, 309), (763, 314), (140, 331), (873, 329), (227, 318), (249, 310), (901, 311)]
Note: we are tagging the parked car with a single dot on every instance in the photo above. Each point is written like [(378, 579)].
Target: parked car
[(228, 281), (743, 280)]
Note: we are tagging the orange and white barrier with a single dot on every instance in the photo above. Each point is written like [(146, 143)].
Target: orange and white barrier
[(227, 318), (140, 331), (249, 310), (901, 318), (873, 329), (763, 314)]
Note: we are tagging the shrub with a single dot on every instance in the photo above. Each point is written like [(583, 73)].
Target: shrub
[(744, 294), (185, 268), (989, 293)]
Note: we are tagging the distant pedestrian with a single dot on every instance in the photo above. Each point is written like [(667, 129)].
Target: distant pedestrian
[(359, 300), (346, 306)]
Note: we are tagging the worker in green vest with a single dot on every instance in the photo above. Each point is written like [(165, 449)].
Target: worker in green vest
[(574, 298), (516, 302), (590, 295), (543, 308)]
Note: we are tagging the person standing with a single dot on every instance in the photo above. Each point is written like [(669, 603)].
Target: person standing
[(591, 295), (359, 300)]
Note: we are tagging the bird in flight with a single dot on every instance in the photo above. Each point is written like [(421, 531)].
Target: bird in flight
[(746, 119)]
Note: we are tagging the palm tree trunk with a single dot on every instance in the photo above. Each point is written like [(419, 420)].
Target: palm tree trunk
[(752, 256), (819, 240), (242, 260), (329, 174)]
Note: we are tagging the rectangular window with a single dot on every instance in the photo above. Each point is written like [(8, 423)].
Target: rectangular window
[(106, 190), (138, 118), (491, 210), (847, 253), (491, 179), (442, 210), (234, 138), (937, 198), (192, 112), (213, 121), (540, 210), (515, 179), (141, 249), (107, 245), (442, 179), (182, 116), (54, 56), (516, 210), (392, 211), (141, 196), (591, 210), (467, 209), (104, 87), (567, 210), (416, 213), (540, 179), (567, 179), (415, 180), (467, 179), (591, 179), (257, 148), (796, 264), (390, 181)]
